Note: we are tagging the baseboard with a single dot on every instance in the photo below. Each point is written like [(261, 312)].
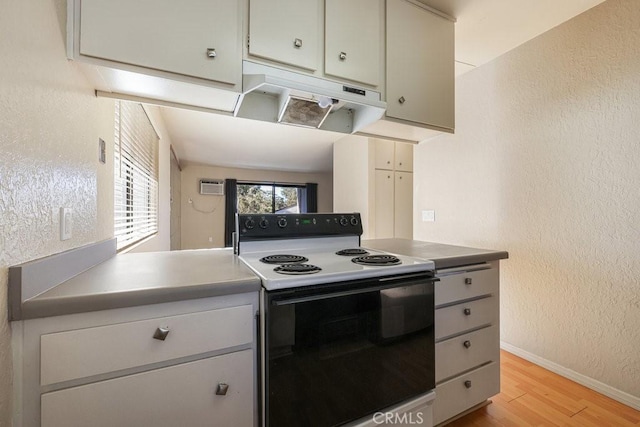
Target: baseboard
[(602, 388)]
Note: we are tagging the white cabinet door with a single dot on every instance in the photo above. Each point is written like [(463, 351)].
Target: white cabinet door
[(403, 209), (404, 157), (91, 351), (177, 37), (176, 396), (384, 154), (384, 205), (465, 391), (420, 65), (353, 36), (286, 31)]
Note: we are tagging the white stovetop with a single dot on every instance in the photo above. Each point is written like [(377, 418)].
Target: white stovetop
[(321, 253)]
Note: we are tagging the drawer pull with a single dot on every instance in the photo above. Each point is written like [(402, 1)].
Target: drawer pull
[(467, 312), (467, 383), (222, 389), (161, 334), (468, 281), (297, 43), (211, 53), (466, 344)]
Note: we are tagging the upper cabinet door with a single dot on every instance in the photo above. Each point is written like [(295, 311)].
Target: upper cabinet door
[(286, 31), (384, 154), (353, 38), (420, 65), (404, 156), (197, 38)]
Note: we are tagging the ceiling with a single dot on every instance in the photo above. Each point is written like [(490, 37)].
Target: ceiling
[(485, 29)]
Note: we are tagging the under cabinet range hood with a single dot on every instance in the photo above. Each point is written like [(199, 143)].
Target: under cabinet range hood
[(279, 96)]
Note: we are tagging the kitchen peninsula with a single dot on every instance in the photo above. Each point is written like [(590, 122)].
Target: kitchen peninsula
[(129, 324)]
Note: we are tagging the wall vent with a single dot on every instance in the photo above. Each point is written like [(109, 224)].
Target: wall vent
[(212, 187)]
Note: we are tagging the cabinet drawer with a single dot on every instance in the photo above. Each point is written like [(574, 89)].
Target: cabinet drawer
[(467, 351), (178, 395), (466, 284), (85, 352), (463, 392), (459, 318)]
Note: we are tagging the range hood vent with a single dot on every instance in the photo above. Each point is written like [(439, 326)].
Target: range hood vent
[(280, 96)]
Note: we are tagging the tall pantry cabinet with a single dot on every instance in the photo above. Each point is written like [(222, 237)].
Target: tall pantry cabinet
[(375, 178)]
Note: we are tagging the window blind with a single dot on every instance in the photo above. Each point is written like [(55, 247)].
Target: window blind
[(136, 175)]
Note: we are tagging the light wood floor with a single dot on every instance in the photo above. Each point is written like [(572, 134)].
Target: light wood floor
[(534, 396)]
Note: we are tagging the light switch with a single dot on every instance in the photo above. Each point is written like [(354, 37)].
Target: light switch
[(65, 223), (428, 216)]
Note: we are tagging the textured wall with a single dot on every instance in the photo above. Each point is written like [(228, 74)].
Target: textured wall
[(198, 227), (544, 164), (50, 122)]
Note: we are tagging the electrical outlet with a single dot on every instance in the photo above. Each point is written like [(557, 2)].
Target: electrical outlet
[(428, 216), (65, 223)]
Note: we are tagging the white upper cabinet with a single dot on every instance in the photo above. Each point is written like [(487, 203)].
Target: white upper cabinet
[(420, 66), (404, 157), (384, 154), (286, 31), (195, 38), (354, 34)]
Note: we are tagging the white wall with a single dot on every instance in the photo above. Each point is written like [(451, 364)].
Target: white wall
[(204, 218), (50, 122), (353, 180), (545, 164)]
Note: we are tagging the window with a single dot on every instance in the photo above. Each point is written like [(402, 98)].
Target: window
[(136, 175), (256, 198)]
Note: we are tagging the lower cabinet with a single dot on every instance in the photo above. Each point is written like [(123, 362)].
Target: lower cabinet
[(184, 363), (465, 391), (217, 391), (467, 338)]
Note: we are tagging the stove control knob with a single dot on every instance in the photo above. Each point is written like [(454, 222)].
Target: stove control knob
[(282, 222), (264, 223), (249, 224), (344, 221), (354, 221)]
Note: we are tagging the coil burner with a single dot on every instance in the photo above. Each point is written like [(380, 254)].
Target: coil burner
[(297, 269), (377, 260), (283, 259), (352, 252)]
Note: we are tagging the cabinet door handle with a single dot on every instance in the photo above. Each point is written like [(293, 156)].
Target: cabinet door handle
[(468, 281), (211, 53), (342, 56), (467, 312), (466, 344), (161, 334), (297, 43), (401, 100), (222, 389), (467, 383)]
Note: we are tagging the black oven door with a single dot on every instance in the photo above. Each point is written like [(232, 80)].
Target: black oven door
[(336, 353)]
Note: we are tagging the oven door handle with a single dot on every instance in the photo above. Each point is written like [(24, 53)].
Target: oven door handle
[(348, 293)]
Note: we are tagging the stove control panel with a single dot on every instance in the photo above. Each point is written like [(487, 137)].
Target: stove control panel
[(266, 226)]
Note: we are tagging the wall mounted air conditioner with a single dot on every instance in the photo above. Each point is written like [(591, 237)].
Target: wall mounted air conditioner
[(212, 187)]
